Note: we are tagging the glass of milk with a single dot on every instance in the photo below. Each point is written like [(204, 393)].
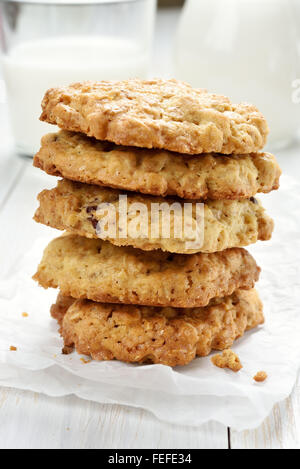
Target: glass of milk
[(49, 43), (246, 49)]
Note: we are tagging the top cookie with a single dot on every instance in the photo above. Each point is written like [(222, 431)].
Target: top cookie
[(164, 114)]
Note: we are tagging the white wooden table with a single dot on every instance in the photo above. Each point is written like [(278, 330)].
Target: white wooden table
[(29, 420)]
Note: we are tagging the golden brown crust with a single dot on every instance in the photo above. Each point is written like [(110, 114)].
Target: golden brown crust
[(228, 359), (159, 335), (158, 172), (59, 309), (157, 114), (100, 271), (74, 207)]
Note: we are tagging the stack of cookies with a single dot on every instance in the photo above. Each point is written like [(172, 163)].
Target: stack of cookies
[(135, 158)]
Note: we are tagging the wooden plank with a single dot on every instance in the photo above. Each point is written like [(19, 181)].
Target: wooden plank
[(32, 421), (280, 431), (18, 230), (2, 91), (11, 170), (11, 166)]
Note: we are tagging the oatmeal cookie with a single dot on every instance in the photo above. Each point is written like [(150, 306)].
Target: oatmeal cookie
[(157, 172), (76, 207), (164, 114), (166, 336), (97, 270)]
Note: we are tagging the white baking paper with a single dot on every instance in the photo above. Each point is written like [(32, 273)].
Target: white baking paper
[(188, 395)]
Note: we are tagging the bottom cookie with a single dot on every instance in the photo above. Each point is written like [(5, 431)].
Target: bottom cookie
[(168, 336)]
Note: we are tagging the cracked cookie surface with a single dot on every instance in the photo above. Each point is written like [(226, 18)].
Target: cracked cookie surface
[(164, 114), (76, 207), (99, 271), (158, 172), (166, 336)]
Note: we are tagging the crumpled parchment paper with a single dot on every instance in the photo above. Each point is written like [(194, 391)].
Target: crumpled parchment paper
[(189, 395)]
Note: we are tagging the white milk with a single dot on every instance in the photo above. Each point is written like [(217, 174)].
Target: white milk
[(30, 69), (245, 49)]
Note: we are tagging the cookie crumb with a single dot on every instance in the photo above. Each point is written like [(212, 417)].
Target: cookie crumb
[(12, 348), (67, 350), (25, 315), (260, 377), (83, 360), (228, 359)]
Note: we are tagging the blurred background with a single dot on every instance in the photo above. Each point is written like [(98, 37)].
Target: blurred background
[(245, 49)]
